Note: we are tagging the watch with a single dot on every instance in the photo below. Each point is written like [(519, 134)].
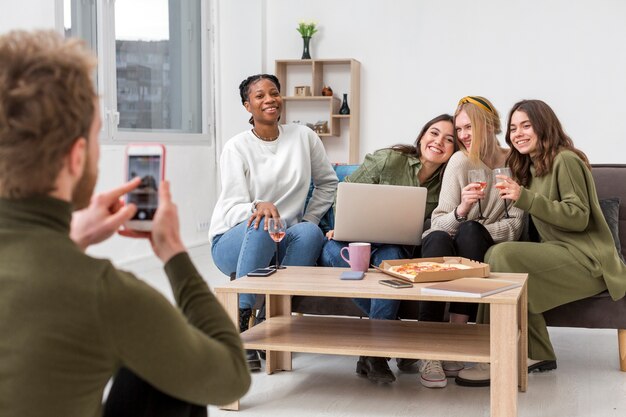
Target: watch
[(459, 218)]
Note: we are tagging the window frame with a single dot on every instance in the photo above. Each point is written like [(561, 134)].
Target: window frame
[(107, 79)]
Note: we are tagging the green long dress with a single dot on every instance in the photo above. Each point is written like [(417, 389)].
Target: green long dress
[(576, 257)]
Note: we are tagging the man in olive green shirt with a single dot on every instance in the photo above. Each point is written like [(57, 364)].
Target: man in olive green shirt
[(69, 322)]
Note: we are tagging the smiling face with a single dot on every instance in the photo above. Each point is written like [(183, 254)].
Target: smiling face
[(437, 144), (463, 126), (264, 102), (522, 134)]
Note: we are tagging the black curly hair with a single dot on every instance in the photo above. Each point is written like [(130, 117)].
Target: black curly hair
[(244, 87)]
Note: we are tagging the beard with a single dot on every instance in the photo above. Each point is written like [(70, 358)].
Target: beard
[(81, 196)]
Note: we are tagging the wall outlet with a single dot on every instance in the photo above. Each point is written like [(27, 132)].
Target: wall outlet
[(203, 225)]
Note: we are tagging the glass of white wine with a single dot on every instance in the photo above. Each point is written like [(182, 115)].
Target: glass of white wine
[(498, 183), (478, 176), (276, 228)]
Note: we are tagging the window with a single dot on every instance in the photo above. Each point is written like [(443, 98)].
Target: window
[(153, 72)]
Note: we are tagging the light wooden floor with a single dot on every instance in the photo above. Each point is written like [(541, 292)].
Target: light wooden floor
[(587, 383)]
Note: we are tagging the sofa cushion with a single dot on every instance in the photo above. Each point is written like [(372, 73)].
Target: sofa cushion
[(328, 221), (610, 209)]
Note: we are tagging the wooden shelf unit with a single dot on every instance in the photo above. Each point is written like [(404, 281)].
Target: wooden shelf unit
[(317, 83)]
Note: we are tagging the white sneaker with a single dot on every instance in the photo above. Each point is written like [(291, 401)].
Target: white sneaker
[(477, 376), (432, 375), (452, 368)]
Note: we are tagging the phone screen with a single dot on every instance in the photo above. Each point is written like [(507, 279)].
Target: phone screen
[(146, 196)]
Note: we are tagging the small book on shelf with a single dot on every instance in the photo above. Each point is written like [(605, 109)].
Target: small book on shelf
[(470, 287)]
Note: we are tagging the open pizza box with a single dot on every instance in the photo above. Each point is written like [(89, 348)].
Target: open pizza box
[(471, 269)]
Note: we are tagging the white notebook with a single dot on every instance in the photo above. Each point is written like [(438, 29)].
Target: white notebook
[(470, 287)]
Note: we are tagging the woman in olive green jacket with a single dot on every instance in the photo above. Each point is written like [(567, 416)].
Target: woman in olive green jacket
[(575, 257)]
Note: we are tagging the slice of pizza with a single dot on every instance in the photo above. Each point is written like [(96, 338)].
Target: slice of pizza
[(412, 269)]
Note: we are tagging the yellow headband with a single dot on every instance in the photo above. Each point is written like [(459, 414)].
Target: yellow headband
[(478, 101)]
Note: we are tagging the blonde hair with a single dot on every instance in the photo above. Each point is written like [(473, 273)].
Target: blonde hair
[(485, 122), (47, 102)]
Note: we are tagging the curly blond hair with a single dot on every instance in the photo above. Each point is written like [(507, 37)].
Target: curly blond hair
[(47, 102)]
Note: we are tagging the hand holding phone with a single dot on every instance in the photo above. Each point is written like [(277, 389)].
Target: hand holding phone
[(146, 161), (395, 283), (103, 217)]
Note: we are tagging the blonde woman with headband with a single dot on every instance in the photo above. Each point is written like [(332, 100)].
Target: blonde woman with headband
[(458, 229)]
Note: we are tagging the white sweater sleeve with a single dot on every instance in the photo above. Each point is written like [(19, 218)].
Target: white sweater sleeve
[(453, 182), (454, 179), (236, 204), (324, 182)]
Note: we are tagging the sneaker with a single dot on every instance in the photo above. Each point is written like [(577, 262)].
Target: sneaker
[(479, 375), (432, 375), (476, 376), (452, 368)]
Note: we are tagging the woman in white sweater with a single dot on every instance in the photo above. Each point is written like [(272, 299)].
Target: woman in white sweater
[(456, 228), (266, 173)]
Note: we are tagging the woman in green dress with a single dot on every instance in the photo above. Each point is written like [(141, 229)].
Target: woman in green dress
[(575, 256)]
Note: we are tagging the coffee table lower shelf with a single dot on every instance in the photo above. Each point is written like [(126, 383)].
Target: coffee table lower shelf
[(385, 338)]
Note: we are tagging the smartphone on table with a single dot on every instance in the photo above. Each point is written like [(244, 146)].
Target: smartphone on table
[(146, 161), (395, 283), (352, 275), (261, 272)]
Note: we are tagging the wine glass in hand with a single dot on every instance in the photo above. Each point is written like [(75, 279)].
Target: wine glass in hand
[(500, 184), (478, 176), (276, 229)]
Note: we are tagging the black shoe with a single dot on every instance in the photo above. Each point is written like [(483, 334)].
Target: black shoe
[(542, 366), (252, 356), (407, 365), (254, 363), (260, 318), (375, 369), (244, 319)]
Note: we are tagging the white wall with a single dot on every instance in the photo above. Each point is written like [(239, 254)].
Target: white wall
[(27, 14), (419, 57)]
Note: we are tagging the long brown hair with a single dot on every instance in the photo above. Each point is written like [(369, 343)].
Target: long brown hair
[(551, 140)]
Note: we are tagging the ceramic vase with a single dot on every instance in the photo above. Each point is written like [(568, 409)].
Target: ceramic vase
[(305, 50), (344, 105)]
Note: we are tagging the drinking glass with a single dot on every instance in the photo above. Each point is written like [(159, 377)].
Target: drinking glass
[(500, 184), (276, 229), (479, 176)]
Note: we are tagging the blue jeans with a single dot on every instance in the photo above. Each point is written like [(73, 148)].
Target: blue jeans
[(375, 308), (243, 249)]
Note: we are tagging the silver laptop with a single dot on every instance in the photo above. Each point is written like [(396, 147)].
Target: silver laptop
[(380, 213)]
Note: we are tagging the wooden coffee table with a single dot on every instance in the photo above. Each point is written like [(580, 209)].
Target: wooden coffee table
[(503, 342)]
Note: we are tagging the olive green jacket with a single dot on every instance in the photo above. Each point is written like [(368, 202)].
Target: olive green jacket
[(565, 210), (68, 322), (391, 167)]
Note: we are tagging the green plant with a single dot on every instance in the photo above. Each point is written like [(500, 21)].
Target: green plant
[(306, 29)]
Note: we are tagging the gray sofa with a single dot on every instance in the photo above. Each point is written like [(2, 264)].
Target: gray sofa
[(598, 312)]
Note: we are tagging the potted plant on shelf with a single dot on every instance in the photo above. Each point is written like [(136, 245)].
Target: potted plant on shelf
[(307, 30)]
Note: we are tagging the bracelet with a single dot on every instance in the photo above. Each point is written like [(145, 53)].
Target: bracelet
[(459, 218)]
